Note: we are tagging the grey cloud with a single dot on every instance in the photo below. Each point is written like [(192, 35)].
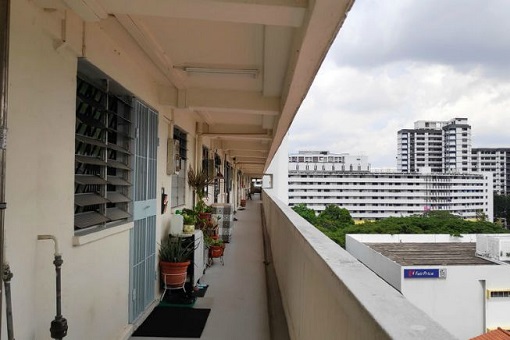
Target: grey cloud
[(455, 32), (398, 61)]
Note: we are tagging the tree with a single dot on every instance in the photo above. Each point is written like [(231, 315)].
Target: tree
[(334, 217), (433, 222), (305, 212), (502, 208)]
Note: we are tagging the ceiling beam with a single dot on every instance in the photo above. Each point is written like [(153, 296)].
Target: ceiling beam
[(251, 162), (284, 13), (256, 160), (231, 101), (247, 153), (258, 136), (152, 48), (241, 145)]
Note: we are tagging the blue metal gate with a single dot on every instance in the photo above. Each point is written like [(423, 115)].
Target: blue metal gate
[(143, 236)]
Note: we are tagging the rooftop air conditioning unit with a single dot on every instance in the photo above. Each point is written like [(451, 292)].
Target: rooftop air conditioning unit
[(494, 246)]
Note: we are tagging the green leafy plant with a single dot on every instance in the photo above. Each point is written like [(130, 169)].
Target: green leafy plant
[(173, 249), (189, 216), (209, 241), (189, 219), (201, 207), (217, 242)]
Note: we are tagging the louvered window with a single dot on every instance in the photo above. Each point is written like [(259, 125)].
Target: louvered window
[(102, 157)]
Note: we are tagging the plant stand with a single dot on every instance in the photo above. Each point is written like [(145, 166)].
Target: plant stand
[(216, 252), (168, 278)]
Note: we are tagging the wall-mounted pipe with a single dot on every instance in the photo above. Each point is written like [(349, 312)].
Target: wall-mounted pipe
[(50, 237), (58, 328), (7, 276), (5, 6)]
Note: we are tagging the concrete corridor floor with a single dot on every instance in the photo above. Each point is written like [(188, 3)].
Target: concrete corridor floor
[(237, 291)]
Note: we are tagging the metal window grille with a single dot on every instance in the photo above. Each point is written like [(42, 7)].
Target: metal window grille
[(178, 196), (102, 157)]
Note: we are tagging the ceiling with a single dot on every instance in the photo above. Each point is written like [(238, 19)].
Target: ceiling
[(242, 66)]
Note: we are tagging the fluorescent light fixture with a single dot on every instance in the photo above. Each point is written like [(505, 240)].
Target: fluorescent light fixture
[(253, 72)]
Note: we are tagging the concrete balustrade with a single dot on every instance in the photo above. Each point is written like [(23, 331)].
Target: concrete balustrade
[(327, 294)]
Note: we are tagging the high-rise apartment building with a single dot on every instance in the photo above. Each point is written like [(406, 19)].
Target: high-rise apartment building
[(438, 146), (496, 161)]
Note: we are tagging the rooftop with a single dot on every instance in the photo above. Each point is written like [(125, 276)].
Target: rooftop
[(497, 334), (419, 254)]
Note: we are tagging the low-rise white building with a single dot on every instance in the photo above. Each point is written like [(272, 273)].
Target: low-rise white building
[(373, 195), (327, 161), (463, 283)]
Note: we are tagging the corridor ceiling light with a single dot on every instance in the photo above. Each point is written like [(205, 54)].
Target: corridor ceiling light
[(252, 72)]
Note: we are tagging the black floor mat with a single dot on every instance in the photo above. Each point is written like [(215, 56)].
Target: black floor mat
[(174, 322)]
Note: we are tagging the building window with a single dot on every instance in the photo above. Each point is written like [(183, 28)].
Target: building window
[(103, 146), (207, 166), (179, 178), (500, 294)]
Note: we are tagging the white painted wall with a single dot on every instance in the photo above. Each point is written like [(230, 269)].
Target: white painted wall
[(40, 178), (386, 268), (458, 302)]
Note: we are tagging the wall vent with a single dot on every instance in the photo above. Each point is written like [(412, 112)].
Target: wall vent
[(498, 293)]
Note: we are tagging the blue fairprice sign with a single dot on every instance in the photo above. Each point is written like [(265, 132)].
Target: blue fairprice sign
[(425, 273)]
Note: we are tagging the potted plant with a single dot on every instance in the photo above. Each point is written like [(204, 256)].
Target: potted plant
[(189, 219), (203, 210), (199, 180), (216, 248), (210, 227), (174, 259)]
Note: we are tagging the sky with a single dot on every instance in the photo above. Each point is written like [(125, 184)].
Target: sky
[(398, 61)]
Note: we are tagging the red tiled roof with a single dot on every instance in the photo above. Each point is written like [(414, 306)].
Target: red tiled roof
[(497, 334)]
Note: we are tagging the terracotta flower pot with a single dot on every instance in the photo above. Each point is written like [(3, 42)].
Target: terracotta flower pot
[(216, 251), (174, 273)]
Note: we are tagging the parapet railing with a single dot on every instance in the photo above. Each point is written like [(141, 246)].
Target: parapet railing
[(328, 294)]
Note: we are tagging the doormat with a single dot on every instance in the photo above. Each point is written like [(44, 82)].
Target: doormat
[(174, 322)]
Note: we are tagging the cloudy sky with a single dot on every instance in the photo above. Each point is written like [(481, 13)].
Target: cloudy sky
[(398, 61)]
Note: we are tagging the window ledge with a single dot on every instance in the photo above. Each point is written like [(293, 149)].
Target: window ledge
[(99, 235)]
